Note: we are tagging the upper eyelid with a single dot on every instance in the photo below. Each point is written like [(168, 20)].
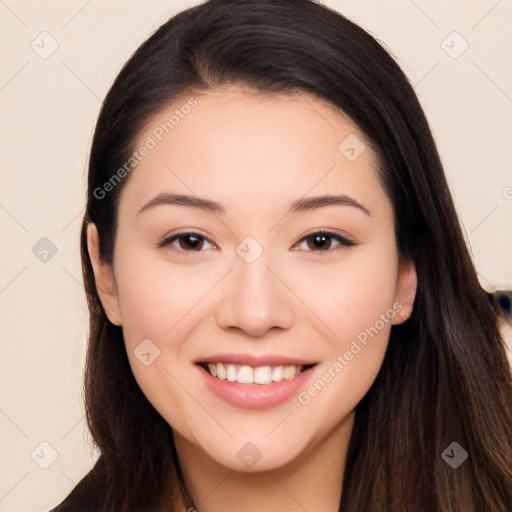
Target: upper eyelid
[(327, 232)]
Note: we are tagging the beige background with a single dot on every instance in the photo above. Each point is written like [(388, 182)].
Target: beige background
[(49, 106)]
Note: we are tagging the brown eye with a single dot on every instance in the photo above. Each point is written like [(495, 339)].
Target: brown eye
[(190, 241), (323, 241), (319, 242), (187, 242)]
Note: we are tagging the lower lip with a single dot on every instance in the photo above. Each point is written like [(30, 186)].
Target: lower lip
[(255, 396)]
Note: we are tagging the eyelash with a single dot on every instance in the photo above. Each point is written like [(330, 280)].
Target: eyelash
[(341, 239)]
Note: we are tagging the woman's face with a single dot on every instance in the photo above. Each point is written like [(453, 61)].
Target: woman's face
[(230, 256)]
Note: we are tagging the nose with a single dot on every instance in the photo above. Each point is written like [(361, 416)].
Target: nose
[(255, 300)]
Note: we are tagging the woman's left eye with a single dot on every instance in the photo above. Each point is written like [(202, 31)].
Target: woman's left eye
[(322, 241)]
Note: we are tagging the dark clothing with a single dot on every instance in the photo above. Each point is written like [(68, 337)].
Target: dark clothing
[(86, 496)]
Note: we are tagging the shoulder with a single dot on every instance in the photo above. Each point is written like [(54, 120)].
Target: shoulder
[(86, 496)]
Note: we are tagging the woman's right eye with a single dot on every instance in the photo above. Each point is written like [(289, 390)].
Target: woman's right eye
[(187, 242)]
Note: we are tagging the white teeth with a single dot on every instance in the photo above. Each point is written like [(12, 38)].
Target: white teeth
[(263, 375), (245, 374), (221, 371), (231, 372), (277, 373), (289, 372)]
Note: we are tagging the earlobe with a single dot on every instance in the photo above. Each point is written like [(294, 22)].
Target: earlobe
[(405, 291), (104, 277)]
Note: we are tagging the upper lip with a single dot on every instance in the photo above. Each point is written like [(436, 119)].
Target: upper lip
[(255, 360)]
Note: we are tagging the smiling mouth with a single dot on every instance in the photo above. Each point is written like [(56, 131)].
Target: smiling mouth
[(246, 374)]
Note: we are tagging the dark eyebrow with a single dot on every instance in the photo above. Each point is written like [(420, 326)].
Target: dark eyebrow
[(300, 205), (311, 203), (184, 200)]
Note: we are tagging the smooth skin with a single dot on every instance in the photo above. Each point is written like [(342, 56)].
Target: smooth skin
[(255, 155)]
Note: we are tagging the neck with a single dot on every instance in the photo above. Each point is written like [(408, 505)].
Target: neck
[(312, 481)]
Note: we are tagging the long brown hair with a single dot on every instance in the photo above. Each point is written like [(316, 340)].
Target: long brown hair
[(445, 377)]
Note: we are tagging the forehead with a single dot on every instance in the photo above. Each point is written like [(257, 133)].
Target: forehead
[(243, 147)]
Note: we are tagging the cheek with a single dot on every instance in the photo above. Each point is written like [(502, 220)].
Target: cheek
[(157, 297), (160, 302), (350, 295), (163, 303), (355, 301)]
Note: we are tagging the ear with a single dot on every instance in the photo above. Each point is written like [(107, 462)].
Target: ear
[(103, 276), (405, 291)]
